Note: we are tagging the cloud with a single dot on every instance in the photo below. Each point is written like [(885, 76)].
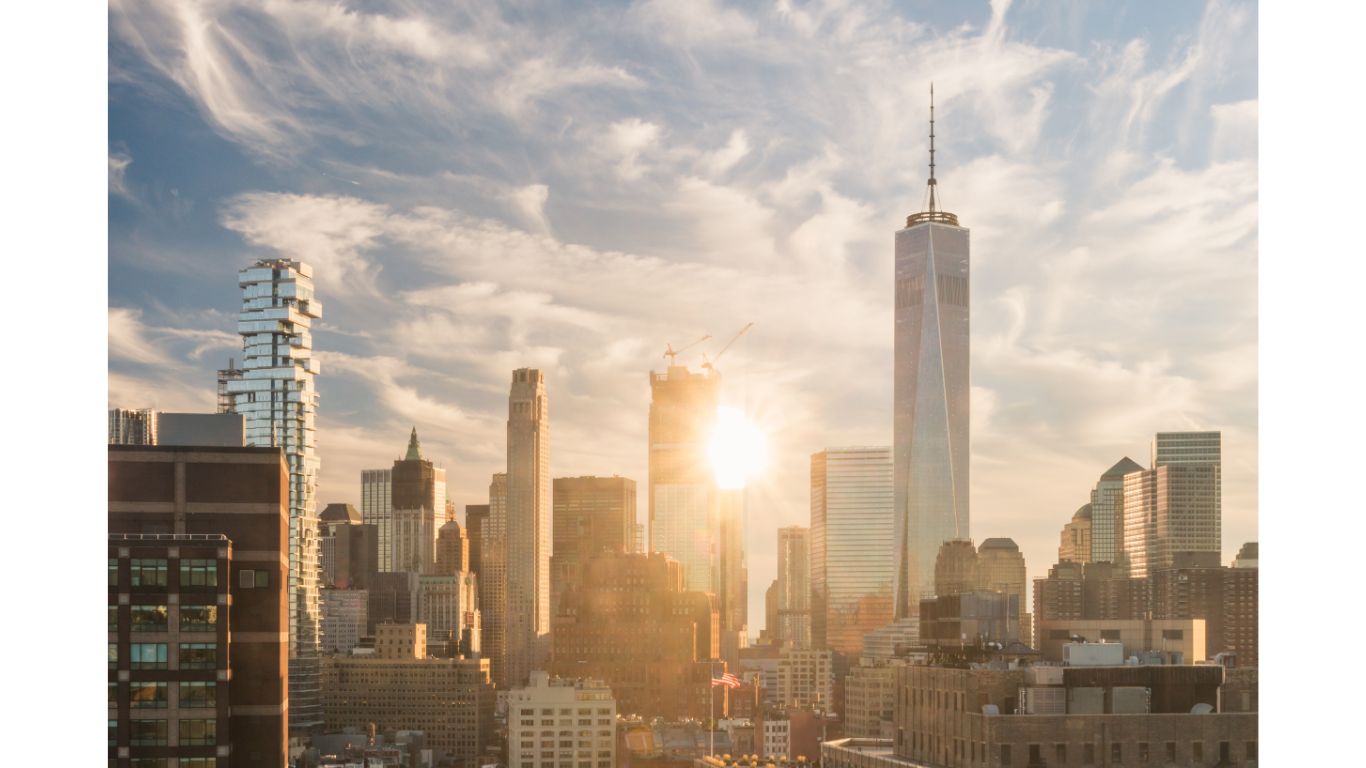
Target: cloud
[(118, 170)]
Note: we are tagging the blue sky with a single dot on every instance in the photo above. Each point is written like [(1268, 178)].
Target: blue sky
[(483, 188)]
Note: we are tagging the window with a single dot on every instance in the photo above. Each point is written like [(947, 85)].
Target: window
[(113, 694), (1109, 634), (1117, 752), (148, 618), (148, 572), (1143, 752), (198, 655), (148, 762), (198, 573), (196, 732), (1171, 751), (198, 618), (113, 733), (113, 655), (1060, 753), (1005, 754), (147, 733), (1088, 754), (198, 694), (144, 695), (113, 618), (1197, 751), (1173, 634), (113, 572), (198, 762), (1250, 752), (147, 656)]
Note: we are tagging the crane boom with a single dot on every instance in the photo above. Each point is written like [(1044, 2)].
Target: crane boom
[(672, 353), (709, 363)]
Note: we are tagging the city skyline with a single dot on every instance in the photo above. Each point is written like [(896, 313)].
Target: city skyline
[(1069, 373)]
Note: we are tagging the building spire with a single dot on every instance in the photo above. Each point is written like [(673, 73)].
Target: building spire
[(414, 448), (933, 211), (932, 181)]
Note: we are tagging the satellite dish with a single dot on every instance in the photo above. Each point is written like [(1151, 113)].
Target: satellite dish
[(1201, 709)]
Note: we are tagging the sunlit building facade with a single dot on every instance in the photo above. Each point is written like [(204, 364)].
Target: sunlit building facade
[(793, 610), (930, 396), (682, 494), (277, 396), (1107, 512), (527, 536), (592, 514), (852, 564), (132, 427), (493, 579), (1174, 509), (377, 509), (418, 509)]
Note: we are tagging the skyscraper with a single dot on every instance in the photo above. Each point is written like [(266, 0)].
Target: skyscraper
[(592, 514), (418, 509), (930, 392), (377, 509), (1074, 544), (527, 535), (276, 394), (852, 567), (794, 587), (475, 517), (1174, 509), (493, 579), (1107, 512), (132, 427), (732, 572), (683, 500)]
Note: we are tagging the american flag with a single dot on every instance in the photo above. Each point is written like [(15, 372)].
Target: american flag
[(728, 680)]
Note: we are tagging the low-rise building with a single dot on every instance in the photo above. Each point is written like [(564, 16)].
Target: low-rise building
[(561, 723), (869, 697), (399, 688), (805, 678)]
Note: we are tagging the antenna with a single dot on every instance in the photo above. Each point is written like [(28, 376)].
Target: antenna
[(932, 181)]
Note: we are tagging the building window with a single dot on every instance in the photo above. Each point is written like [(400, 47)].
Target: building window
[(113, 733), (113, 694), (148, 618), (1171, 751), (197, 732), (198, 762), (1173, 634), (1060, 753), (198, 655), (198, 618), (113, 618), (1117, 752), (147, 656), (1143, 752), (148, 762), (113, 655), (1088, 754), (144, 695), (1109, 634), (1250, 750), (1005, 754), (147, 733), (198, 573), (148, 572), (113, 572), (197, 694), (1197, 751)]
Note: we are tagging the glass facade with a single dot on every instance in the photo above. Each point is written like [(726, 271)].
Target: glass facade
[(794, 586), (1174, 508), (683, 500), (930, 402), (852, 566), (376, 508), (278, 399), (1107, 512)]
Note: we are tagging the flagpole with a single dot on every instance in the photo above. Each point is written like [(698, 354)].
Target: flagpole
[(711, 711)]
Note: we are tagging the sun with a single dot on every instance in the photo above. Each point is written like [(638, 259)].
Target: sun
[(737, 449)]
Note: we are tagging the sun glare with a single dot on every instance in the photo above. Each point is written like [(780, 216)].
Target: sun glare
[(738, 450)]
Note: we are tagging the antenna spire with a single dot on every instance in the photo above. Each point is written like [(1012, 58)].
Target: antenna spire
[(932, 181)]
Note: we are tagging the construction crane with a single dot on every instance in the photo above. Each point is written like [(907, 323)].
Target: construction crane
[(708, 363), (672, 353)]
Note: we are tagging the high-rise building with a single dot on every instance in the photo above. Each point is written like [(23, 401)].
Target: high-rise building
[(452, 550), (682, 494), (198, 608), (376, 508), (1107, 512), (1091, 591), (1001, 568), (1246, 557), (1174, 509), (399, 687), (627, 620), (592, 514), (132, 427), (1074, 545), (794, 587), (930, 392), (393, 599), (418, 508), (852, 566), (475, 517), (772, 634), (732, 573), (955, 568), (527, 535), (493, 581), (350, 549), (1226, 598), (870, 698), (346, 618), (277, 396), (449, 606), (582, 707)]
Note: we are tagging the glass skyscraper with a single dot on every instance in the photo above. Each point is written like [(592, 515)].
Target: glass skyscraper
[(930, 400), (683, 497), (852, 566), (276, 396)]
